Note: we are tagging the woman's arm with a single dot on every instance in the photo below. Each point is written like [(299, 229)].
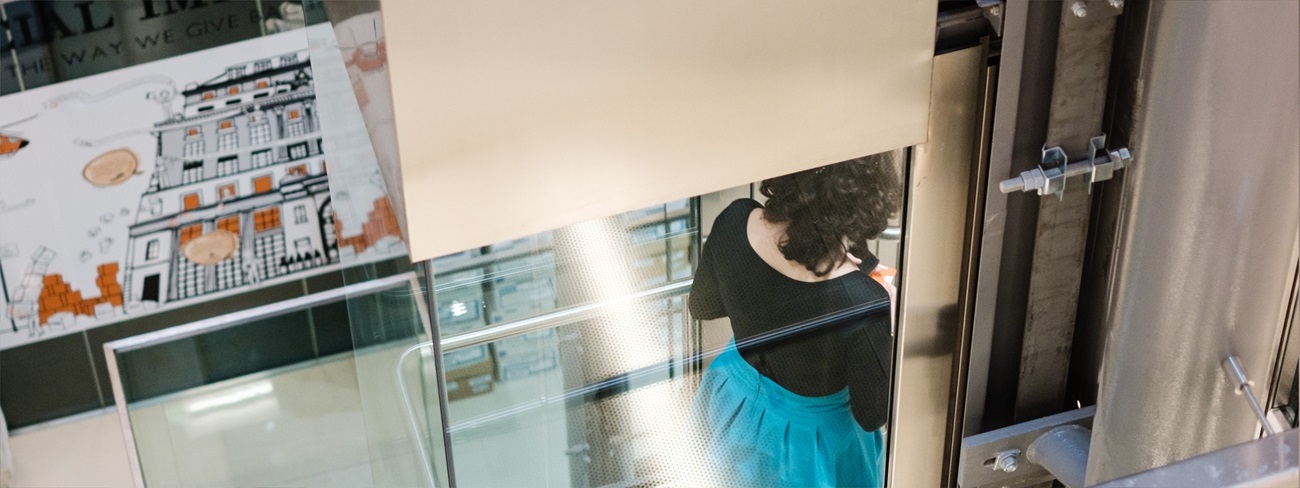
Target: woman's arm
[(871, 359), (705, 301)]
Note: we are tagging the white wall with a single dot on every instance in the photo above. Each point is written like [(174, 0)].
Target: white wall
[(84, 452)]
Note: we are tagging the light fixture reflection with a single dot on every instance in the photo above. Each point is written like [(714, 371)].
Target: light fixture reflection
[(232, 397)]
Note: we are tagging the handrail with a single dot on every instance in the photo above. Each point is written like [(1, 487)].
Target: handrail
[(553, 319), (617, 381)]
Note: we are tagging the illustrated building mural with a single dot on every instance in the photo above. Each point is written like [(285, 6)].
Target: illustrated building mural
[(166, 196), (244, 157)]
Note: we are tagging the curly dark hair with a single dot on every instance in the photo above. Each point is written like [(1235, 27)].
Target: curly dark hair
[(823, 206)]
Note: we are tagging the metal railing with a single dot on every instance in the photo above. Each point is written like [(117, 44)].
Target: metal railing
[(621, 382)]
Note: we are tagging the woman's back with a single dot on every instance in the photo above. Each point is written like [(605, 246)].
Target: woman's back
[(733, 280)]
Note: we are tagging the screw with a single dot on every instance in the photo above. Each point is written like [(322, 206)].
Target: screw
[(995, 10), (1117, 3), (1008, 464), (1079, 9)]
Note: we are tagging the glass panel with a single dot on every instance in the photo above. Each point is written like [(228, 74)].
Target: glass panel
[(605, 382), (249, 400), (396, 369)]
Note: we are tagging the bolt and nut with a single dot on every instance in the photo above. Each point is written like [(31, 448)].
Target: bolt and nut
[(1080, 9), (1008, 464)]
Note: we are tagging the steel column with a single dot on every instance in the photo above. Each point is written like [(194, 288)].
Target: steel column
[(1209, 222)]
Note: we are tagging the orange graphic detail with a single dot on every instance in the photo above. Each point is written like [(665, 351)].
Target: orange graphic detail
[(261, 184), (266, 219), (57, 296), (9, 145), (229, 224), (191, 232), (381, 223)]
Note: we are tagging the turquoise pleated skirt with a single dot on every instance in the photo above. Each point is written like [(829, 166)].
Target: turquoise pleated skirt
[(760, 434)]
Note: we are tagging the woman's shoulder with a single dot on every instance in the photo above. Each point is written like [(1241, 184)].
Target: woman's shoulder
[(735, 217), (743, 206), (739, 210)]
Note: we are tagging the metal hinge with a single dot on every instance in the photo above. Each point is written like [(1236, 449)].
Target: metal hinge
[(1049, 177)]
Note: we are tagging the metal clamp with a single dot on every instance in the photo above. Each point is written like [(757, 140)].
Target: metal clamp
[(1049, 177), (1052, 447)]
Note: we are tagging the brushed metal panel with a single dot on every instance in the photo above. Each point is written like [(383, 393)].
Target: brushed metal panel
[(1209, 220), (930, 315), (516, 117)]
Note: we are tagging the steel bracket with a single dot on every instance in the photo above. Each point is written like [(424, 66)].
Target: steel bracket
[(985, 458), (1050, 175)]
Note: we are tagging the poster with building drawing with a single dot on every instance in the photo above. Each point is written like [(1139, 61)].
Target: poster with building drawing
[(170, 183)]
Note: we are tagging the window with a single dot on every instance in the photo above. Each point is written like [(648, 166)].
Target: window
[(323, 169), (209, 95), (192, 131), (294, 129), (190, 201), (298, 151), (228, 165), (194, 148), (229, 224), (288, 59), (151, 250), (227, 142), (300, 214), (191, 172), (226, 124), (261, 65), (261, 158), (266, 219), (294, 115), (189, 233), (233, 90), (226, 192), (299, 170), (263, 83), (262, 184), (259, 134)]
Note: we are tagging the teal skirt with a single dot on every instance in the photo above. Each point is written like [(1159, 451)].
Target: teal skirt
[(761, 434)]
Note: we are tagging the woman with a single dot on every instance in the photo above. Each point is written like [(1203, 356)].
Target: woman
[(806, 410)]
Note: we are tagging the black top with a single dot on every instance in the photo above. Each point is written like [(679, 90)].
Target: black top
[(733, 281)]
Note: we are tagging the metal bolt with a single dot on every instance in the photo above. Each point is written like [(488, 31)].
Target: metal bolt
[(1117, 3), (1008, 464), (1007, 461), (995, 10), (1079, 9)]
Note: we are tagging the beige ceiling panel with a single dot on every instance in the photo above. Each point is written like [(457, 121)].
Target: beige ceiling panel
[(517, 116)]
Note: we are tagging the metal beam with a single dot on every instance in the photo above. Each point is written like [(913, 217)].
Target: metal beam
[(1078, 105), (1267, 462), (933, 247)]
